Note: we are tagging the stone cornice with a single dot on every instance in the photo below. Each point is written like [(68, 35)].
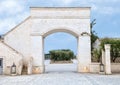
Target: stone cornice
[(60, 8), (60, 12), (60, 17)]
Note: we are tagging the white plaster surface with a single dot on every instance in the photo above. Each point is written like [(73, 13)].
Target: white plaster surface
[(19, 38), (9, 56), (75, 21), (61, 12)]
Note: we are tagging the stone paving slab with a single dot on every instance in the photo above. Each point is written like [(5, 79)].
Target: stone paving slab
[(61, 78)]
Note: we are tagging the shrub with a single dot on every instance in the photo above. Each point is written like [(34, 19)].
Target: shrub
[(60, 55), (96, 54)]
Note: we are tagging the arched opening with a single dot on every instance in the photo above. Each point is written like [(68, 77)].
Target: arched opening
[(58, 40), (66, 30), (83, 49)]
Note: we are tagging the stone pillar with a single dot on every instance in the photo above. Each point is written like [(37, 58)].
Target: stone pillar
[(29, 70), (84, 53), (107, 59), (37, 54), (103, 57), (29, 64)]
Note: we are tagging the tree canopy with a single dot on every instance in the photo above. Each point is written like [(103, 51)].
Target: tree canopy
[(115, 47), (94, 36), (61, 55)]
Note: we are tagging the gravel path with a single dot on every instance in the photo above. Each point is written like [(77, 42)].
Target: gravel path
[(61, 78), (61, 74)]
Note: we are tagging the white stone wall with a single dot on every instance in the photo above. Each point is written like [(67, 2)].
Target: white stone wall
[(47, 26), (9, 56), (60, 12), (84, 53), (49, 20), (19, 38), (115, 67), (95, 68)]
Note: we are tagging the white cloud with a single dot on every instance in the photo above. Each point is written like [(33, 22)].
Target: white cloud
[(105, 10), (12, 12), (67, 2), (106, 7), (8, 23), (98, 6), (11, 7), (106, 1)]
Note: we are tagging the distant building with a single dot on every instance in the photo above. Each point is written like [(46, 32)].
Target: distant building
[(96, 44)]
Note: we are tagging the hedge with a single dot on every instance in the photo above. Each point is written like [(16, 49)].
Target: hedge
[(60, 55)]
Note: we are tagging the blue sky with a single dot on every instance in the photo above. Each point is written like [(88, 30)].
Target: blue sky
[(106, 13)]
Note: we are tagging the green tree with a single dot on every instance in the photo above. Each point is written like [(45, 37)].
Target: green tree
[(96, 55), (94, 36), (115, 47), (61, 55), (92, 24)]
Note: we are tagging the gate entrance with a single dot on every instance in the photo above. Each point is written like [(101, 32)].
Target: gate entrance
[(60, 42), (75, 21)]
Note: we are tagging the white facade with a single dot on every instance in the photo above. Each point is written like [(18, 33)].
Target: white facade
[(28, 37)]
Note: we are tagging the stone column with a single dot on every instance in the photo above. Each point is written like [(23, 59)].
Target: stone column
[(29, 70), (107, 59), (84, 53), (37, 54), (29, 64), (103, 57)]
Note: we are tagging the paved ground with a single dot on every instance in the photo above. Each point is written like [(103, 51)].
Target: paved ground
[(61, 74), (61, 78), (60, 67)]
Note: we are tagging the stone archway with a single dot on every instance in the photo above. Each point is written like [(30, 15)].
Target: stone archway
[(50, 20), (60, 41)]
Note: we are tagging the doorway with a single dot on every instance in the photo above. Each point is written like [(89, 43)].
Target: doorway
[(1, 66)]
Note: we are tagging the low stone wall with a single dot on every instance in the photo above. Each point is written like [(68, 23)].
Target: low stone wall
[(61, 62), (94, 67), (115, 67)]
